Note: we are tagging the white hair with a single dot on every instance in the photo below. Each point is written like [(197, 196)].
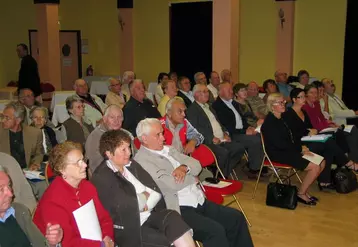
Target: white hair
[(197, 74), (19, 109), (145, 126), (197, 88), (168, 106), (112, 107), (126, 74)]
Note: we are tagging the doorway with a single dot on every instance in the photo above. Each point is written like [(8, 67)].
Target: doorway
[(70, 52), (191, 28)]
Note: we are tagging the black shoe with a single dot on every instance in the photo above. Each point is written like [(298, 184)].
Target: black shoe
[(313, 198), (310, 202), (326, 187)]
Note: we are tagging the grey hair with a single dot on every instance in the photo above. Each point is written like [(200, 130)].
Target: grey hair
[(126, 74), (197, 74), (19, 109), (72, 99), (168, 106), (39, 108), (196, 88), (145, 126), (134, 81), (110, 107)]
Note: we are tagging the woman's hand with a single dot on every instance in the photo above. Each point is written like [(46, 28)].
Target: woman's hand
[(313, 132), (306, 151), (108, 242)]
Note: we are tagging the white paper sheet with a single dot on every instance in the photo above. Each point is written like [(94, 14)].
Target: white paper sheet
[(348, 128), (87, 222), (329, 130), (33, 174), (221, 184), (315, 158), (321, 137)]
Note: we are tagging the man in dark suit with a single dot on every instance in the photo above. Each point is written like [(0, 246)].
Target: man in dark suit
[(203, 118), (228, 114), (184, 92), (29, 73), (138, 107)]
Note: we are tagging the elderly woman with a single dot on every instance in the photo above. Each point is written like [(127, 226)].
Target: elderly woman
[(159, 92), (39, 118), (76, 128), (303, 79), (133, 199), (282, 147), (269, 86), (170, 91), (68, 193)]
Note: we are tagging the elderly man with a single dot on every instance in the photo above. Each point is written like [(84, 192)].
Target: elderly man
[(338, 110), (185, 90), (204, 119), (138, 107), (229, 116), (257, 104), (200, 78), (16, 226), (112, 120), (115, 96), (22, 142), (128, 77), (214, 83), (94, 106), (175, 174), (27, 98), (284, 88), (170, 91), (226, 75)]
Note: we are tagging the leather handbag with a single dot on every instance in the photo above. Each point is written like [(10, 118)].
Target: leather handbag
[(344, 180), (281, 195)]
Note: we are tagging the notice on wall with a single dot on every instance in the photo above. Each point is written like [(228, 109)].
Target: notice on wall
[(67, 62), (84, 46)]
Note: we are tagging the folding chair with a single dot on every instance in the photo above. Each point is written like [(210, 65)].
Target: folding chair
[(275, 167), (230, 190)]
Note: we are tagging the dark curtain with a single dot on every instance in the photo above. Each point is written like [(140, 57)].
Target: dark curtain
[(191, 38)]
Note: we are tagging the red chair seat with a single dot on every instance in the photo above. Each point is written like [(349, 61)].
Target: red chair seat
[(232, 189), (214, 197), (276, 164), (203, 155), (137, 143)]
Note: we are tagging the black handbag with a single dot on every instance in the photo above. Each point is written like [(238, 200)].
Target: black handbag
[(344, 180), (281, 195)]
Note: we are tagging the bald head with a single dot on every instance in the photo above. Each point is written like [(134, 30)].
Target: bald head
[(252, 89), (225, 75), (281, 76), (225, 91), (81, 88)]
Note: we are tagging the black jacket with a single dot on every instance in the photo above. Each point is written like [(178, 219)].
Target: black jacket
[(197, 117), (119, 198), (227, 117), (29, 75), (187, 101)]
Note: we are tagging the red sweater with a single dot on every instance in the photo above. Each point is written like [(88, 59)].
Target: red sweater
[(58, 203), (316, 116)]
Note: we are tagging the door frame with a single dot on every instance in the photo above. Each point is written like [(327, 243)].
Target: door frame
[(79, 44)]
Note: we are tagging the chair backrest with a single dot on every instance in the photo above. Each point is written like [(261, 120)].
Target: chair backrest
[(204, 155), (137, 143), (49, 174), (152, 87)]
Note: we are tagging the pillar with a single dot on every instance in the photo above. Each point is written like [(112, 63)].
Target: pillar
[(126, 30), (49, 41), (285, 35), (226, 36)]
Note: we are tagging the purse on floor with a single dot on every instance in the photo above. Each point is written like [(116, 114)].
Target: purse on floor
[(281, 195)]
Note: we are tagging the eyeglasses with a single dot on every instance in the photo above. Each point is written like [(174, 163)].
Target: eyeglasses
[(301, 97), (78, 162), (4, 118), (282, 102), (38, 118)]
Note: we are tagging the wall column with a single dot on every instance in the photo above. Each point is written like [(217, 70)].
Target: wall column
[(226, 36), (49, 42), (126, 29), (285, 35)]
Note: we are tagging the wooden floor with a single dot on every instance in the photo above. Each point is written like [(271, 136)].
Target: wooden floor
[(332, 223)]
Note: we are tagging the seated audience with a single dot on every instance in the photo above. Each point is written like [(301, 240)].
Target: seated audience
[(76, 128), (170, 91), (112, 120), (258, 106), (68, 192), (338, 110), (27, 98), (270, 87), (243, 105), (185, 90), (115, 96), (159, 93), (175, 174), (200, 78), (39, 118), (16, 226), (282, 147), (128, 77), (303, 79), (226, 76), (323, 99), (138, 107), (214, 83), (204, 119), (228, 113), (173, 76), (133, 199), (94, 106), (283, 87), (313, 109)]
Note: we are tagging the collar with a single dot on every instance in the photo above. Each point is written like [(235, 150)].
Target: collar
[(163, 152), (74, 118), (169, 124), (70, 190), (206, 105), (226, 101), (186, 93), (10, 211), (113, 167)]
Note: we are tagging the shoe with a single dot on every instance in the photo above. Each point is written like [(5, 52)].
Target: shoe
[(326, 187), (310, 202), (313, 198)]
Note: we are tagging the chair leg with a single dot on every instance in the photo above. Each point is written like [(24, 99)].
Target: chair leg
[(197, 244), (242, 210), (235, 175), (277, 175), (298, 177), (257, 181)]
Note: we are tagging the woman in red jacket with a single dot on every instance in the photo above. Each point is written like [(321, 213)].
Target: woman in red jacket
[(69, 192)]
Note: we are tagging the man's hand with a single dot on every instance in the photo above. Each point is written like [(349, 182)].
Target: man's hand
[(108, 242), (227, 138), (216, 140), (54, 234), (190, 147), (34, 167), (313, 132), (179, 173), (260, 121)]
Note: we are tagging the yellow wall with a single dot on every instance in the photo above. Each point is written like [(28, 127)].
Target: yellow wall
[(257, 40), (319, 38)]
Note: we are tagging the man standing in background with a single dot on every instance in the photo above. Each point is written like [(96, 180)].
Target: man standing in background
[(29, 73)]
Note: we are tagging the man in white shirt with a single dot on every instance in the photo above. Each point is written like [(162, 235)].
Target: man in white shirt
[(338, 110), (175, 174), (214, 83), (185, 90)]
